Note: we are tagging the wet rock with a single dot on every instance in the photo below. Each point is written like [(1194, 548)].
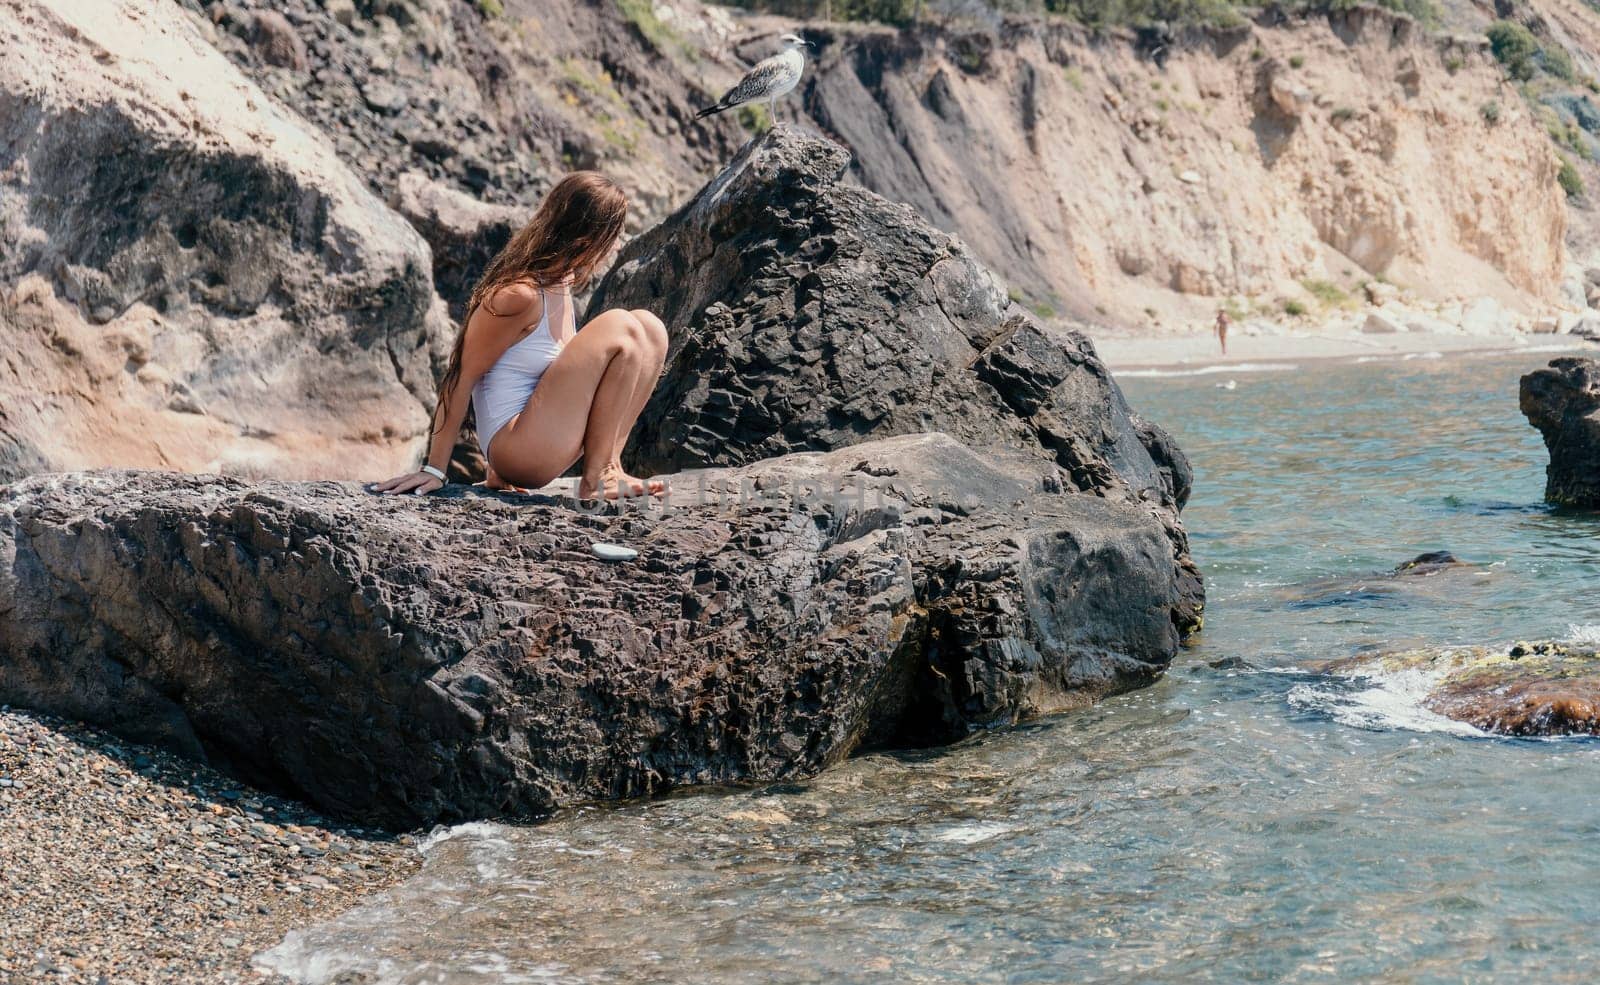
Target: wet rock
[(1427, 563), (1394, 588), (1563, 402), (1530, 689), (806, 313), (411, 659), (193, 278)]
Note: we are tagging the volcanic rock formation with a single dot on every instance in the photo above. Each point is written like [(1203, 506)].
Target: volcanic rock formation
[(405, 660), (808, 313), (1563, 402)]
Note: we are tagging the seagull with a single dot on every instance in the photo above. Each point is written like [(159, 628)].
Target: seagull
[(771, 78)]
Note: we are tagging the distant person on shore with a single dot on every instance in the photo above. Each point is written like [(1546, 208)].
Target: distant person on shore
[(546, 394), (1222, 329)]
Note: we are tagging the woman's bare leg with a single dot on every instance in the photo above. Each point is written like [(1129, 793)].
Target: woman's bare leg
[(655, 344), (609, 423), (578, 408)]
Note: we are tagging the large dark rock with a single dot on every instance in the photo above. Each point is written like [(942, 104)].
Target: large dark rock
[(189, 277), (405, 660), (1563, 402), (807, 313)]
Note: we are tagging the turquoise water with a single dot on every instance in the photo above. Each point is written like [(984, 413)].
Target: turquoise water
[(1243, 820)]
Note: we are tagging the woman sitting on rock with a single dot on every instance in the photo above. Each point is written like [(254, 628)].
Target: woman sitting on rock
[(546, 394)]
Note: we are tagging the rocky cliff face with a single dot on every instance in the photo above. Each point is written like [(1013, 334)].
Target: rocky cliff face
[(495, 100), (1112, 180), (189, 277)]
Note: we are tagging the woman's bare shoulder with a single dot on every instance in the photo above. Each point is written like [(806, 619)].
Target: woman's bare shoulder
[(510, 300)]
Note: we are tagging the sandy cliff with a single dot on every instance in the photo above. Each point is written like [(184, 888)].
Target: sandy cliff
[(1105, 181), (189, 277)]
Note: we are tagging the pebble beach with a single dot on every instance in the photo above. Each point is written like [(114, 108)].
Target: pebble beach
[(120, 863)]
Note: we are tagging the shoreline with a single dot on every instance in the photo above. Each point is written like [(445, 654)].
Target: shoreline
[(129, 864), (1183, 355)]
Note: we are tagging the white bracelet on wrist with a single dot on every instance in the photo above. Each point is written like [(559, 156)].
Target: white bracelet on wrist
[(434, 472)]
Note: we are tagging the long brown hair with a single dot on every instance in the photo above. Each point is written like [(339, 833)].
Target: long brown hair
[(568, 237)]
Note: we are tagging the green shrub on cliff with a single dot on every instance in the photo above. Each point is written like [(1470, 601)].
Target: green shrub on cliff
[(1521, 53), (754, 118), (1558, 63), (1095, 13), (1571, 182), (884, 11), (1515, 47)]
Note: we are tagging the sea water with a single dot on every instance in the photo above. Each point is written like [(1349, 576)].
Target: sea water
[(1247, 819)]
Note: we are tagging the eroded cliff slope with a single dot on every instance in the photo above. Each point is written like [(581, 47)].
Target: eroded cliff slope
[(1109, 178)]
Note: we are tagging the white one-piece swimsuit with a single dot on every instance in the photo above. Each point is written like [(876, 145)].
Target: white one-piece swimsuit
[(503, 392)]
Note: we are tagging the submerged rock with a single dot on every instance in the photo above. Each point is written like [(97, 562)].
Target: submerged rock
[(1563, 402), (1428, 563), (1384, 589), (192, 278), (405, 660), (1529, 689), (807, 313)]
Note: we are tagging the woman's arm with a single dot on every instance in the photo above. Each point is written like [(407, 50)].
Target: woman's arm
[(563, 318), (494, 326)]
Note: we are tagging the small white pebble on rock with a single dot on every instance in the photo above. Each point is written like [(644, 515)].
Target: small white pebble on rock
[(612, 552)]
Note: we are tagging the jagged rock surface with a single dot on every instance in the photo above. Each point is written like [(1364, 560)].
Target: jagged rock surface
[(191, 278), (806, 313), (1563, 402), (406, 660), (495, 100)]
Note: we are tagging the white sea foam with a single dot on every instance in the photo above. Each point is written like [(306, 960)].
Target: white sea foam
[(1392, 700), (1398, 357), (1213, 370), (472, 829), (971, 834), (1583, 634), (304, 959)]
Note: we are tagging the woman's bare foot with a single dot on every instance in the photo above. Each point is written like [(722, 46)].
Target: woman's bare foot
[(615, 483)]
